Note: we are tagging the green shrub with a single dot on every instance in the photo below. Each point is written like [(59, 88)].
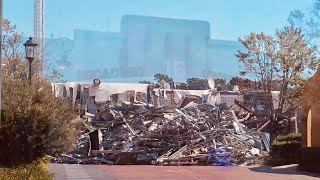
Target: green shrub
[(289, 137), (34, 171), (284, 149), (33, 122)]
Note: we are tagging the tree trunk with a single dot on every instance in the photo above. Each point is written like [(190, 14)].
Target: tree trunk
[(283, 90)]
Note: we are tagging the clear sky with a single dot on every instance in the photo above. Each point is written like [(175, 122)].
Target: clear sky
[(229, 19)]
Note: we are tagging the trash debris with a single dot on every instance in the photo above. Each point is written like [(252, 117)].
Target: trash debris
[(139, 133), (140, 124)]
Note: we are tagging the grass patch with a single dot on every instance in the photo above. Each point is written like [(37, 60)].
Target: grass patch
[(37, 170)]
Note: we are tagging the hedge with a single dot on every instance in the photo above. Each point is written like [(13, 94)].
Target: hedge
[(284, 149)]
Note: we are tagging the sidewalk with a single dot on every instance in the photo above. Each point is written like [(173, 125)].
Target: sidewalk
[(207, 172), (107, 172)]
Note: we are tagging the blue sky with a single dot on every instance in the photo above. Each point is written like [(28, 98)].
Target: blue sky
[(229, 19)]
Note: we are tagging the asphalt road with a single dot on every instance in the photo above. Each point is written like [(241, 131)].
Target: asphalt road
[(106, 172)]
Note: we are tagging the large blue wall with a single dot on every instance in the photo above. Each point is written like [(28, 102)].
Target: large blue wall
[(146, 46)]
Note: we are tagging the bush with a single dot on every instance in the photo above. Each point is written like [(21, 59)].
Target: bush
[(289, 137), (34, 122), (284, 149), (34, 171)]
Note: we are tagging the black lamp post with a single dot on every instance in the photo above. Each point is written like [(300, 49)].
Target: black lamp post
[(30, 54)]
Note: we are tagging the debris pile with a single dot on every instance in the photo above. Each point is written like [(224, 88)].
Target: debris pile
[(197, 134)]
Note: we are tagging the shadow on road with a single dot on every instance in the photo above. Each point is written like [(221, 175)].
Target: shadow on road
[(290, 169)]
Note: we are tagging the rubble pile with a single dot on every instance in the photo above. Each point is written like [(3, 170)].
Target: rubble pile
[(197, 134)]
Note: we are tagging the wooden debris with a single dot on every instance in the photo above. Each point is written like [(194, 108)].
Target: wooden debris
[(194, 134)]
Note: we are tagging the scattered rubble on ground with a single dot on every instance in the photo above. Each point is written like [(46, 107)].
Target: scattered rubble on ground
[(123, 123), (140, 133)]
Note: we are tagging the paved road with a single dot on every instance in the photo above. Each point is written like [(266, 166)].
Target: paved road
[(105, 172), (79, 172)]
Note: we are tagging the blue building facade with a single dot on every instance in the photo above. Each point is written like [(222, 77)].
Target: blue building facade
[(146, 46)]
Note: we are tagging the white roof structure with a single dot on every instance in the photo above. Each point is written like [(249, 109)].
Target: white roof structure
[(102, 92)]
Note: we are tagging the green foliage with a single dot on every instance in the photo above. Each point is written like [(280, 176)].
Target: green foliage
[(308, 20), (220, 81), (285, 149), (33, 122), (221, 84), (281, 144), (241, 82), (293, 57), (158, 77), (282, 59), (183, 86), (145, 82), (197, 84), (258, 61), (288, 137), (34, 171)]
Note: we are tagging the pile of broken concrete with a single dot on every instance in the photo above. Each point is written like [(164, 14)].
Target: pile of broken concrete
[(197, 134)]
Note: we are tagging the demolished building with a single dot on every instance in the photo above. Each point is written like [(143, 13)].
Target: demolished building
[(123, 123)]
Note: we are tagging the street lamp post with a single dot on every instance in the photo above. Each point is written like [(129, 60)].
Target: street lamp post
[(30, 54)]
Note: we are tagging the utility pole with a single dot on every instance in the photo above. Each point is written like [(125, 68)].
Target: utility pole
[(1, 21)]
